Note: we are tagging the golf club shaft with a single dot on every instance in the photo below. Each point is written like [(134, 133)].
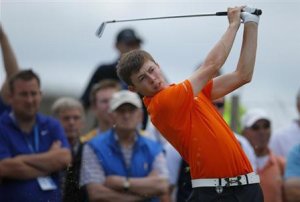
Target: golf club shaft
[(165, 17), (101, 28), (256, 12)]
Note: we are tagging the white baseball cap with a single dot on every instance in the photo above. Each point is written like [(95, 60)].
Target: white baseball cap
[(123, 97), (254, 115)]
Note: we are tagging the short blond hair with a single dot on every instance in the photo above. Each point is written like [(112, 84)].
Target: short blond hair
[(66, 103)]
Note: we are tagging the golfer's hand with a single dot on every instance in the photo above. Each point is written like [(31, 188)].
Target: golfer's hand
[(233, 15), (246, 16)]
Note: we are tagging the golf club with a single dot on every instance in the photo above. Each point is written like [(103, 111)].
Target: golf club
[(101, 28)]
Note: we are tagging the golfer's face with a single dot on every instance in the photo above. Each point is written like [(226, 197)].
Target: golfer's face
[(149, 80)]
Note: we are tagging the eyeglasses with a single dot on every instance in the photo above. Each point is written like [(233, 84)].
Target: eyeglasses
[(219, 105), (257, 127)]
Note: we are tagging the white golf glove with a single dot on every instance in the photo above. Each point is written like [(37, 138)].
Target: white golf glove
[(247, 15)]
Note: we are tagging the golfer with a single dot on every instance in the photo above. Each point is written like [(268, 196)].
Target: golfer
[(184, 113)]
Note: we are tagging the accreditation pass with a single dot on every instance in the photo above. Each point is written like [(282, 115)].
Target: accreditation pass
[(46, 183)]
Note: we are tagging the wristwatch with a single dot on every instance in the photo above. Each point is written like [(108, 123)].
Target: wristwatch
[(126, 184)]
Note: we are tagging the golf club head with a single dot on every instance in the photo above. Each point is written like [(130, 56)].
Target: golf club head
[(101, 29)]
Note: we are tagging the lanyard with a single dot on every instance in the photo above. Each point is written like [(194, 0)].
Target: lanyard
[(27, 139), (36, 141)]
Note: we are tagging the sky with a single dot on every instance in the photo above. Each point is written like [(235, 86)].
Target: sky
[(57, 39)]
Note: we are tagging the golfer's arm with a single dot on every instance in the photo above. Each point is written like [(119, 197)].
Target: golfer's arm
[(227, 83), (214, 60)]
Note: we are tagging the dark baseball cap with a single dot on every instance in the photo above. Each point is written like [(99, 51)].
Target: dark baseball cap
[(128, 36)]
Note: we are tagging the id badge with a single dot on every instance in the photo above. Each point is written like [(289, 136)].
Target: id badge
[(46, 183)]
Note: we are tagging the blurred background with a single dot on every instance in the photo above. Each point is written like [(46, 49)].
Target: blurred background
[(57, 39)]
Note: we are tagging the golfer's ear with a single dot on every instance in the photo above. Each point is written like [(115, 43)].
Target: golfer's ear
[(132, 88)]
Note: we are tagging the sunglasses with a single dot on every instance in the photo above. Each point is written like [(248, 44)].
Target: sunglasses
[(257, 127), (219, 105)]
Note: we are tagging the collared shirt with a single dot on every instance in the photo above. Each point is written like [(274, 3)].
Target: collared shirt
[(197, 131), (93, 172), (3, 106), (271, 178), (13, 143)]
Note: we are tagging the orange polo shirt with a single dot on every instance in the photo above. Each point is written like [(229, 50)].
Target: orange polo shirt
[(198, 132)]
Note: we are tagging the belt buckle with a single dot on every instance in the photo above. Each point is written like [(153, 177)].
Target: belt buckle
[(230, 181), (219, 189)]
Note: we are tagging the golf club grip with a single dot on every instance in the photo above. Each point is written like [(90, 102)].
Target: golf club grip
[(256, 12)]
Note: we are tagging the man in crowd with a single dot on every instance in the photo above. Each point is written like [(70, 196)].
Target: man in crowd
[(126, 40), (33, 147), (120, 164), (284, 139), (70, 113), (100, 96), (256, 125)]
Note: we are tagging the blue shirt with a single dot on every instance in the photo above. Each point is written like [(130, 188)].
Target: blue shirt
[(14, 143), (3, 107), (293, 163)]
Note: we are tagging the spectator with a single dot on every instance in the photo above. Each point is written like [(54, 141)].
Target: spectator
[(70, 113), (126, 40), (11, 67), (292, 175), (120, 164), (100, 96), (33, 147), (257, 129), (284, 139)]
